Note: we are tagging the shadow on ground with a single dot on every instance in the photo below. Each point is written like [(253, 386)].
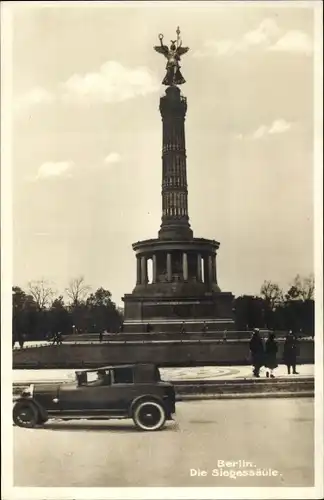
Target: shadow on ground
[(100, 427)]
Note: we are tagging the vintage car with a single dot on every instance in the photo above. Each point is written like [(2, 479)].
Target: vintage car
[(111, 392)]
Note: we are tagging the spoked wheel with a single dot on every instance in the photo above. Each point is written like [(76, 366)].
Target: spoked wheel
[(25, 414), (149, 416)]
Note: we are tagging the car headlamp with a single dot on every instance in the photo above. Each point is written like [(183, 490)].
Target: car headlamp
[(28, 391)]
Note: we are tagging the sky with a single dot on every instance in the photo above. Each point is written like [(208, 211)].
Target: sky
[(87, 136)]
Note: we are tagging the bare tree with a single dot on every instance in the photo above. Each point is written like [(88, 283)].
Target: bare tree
[(42, 292), (308, 287), (77, 290), (302, 288), (272, 294)]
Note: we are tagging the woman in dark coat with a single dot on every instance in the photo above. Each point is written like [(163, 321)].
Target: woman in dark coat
[(271, 349), (257, 352), (290, 352)]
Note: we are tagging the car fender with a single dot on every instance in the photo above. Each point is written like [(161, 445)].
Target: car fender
[(145, 397), (34, 402)]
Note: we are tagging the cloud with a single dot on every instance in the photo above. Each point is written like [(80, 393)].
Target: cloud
[(294, 41), (267, 36), (35, 96), (112, 83), (263, 35), (277, 127), (54, 169), (260, 132), (113, 158)]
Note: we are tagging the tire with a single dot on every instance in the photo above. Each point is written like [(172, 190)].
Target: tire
[(149, 415), (41, 420), (25, 414)]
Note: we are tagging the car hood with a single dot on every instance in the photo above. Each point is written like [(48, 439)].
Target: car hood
[(46, 389)]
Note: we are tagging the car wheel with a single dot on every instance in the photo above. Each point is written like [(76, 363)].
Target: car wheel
[(149, 415), (25, 414), (41, 420)]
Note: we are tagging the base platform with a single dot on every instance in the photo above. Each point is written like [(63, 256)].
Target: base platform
[(186, 326), (179, 314)]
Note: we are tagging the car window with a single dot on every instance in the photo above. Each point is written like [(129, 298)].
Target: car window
[(123, 376), (91, 377), (99, 378)]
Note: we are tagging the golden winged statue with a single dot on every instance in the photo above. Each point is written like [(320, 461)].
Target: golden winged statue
[(173, 54)]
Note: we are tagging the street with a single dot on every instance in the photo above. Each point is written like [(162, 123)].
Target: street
[(273, 435)]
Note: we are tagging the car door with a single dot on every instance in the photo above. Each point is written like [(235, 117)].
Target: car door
[(73, 399), (123, 389), (90, 398)]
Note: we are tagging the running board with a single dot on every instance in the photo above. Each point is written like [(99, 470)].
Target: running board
[(86, 417)]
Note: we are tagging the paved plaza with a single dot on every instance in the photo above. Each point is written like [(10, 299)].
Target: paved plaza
[(194, 373), (272, 435)]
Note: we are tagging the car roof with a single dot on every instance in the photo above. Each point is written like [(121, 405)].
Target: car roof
[(110, 367)]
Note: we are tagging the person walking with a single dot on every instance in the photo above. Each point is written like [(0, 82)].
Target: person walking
[(204, 328), (290, 352), (100, 336), (21, 340), (257, 352), (271, 349), (183, 328)]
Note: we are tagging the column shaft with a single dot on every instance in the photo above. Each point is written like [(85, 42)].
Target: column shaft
[(169, 267), (215, 269), (144, 270), (138, 270), (185, 266), (199, 276), (205, 269), (154, 268), (210, 268)]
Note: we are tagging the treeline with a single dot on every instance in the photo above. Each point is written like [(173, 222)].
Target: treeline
[(39, 312), (275, 309)]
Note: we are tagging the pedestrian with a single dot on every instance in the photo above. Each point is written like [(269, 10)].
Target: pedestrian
[(257, 352), (290, 352), (55, 339), (205, 328), (183, 328), (148, 328), (100, 336), (271, 349), (21, 340), (225, 336)]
